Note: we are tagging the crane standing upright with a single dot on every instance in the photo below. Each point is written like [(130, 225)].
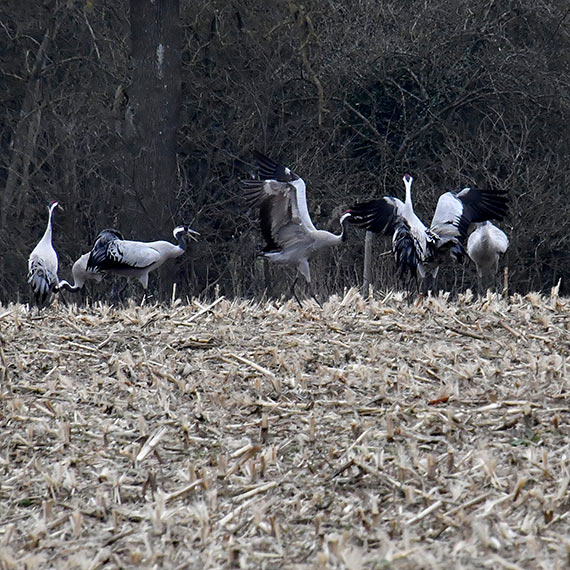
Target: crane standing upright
[(485, 246), (43, 265)]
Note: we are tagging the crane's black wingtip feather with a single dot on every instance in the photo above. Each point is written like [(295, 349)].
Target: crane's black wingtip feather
[(376, 216), (268, 168), (261, 157)]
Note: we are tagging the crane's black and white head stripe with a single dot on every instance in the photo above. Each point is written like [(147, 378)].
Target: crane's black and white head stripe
[(180, 232)]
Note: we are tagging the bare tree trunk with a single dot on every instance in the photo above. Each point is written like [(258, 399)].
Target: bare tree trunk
[(25, 136), (367, 275), (153, 115), (154, 101)]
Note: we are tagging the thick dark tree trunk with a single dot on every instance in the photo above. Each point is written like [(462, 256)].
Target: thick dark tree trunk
[(154, 110)]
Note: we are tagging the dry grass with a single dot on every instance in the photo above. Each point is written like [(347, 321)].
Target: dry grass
[(362, 435)]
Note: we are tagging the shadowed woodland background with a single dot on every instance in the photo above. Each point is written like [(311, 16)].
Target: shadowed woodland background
[(142, 116)]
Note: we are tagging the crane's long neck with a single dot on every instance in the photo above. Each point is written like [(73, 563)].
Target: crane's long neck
[(343, 218), (182, 239), (408, 202), (47, 234)]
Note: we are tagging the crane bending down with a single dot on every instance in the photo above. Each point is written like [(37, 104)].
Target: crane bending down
[(417, 248), (113, 254), (290, 235), (43, 264), (485, 246), (80, 275)]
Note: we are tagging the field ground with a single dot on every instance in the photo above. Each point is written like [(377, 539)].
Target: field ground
[(364, 434)]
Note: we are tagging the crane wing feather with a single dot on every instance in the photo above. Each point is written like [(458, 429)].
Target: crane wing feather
[(280, 215), (378, 216), (130, 254), (456, 211), (41, 279), (270, 169), (111, 254)]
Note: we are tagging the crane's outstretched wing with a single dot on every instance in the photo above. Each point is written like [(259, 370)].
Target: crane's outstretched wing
[(270, 169), (278, 211), (98, 254), (456, 211), (379, 216)]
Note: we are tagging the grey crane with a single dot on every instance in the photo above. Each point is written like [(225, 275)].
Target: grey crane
[(81, 274), (113, 254), (290, 235), (416, 247), (485, 246), (43, 264)]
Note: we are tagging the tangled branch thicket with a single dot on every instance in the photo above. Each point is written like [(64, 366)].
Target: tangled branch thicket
[(457, 93), (363, 434)]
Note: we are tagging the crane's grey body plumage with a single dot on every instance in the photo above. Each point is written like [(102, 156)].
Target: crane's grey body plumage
[(113, 254), (290, 236), (485, 246), (43, 265)]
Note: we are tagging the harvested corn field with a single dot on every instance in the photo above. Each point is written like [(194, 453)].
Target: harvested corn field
[(364, 434)]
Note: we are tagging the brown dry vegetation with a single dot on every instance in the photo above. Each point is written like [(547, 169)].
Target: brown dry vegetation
[(366, 434)]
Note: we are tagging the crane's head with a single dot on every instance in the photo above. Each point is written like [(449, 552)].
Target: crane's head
[(407, 179), (53, 205)]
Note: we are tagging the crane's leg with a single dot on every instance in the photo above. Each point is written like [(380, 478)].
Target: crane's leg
[(434, 280), (412, 288), (117, 297), (61, 296), (314, 295), (294, 293), (462, 284), (480, 286)]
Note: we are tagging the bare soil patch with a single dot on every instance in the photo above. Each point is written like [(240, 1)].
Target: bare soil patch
[(366, 434)]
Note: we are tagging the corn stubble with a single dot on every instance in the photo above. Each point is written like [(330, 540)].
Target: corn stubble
[(367, 434)]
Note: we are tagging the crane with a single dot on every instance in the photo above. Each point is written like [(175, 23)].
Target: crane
[(485, 246), (290, 235), (81, 274), (416, 247), (43, 264), (113, 254)]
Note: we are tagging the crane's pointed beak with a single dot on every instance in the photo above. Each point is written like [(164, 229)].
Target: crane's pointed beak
[(192, 234)]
